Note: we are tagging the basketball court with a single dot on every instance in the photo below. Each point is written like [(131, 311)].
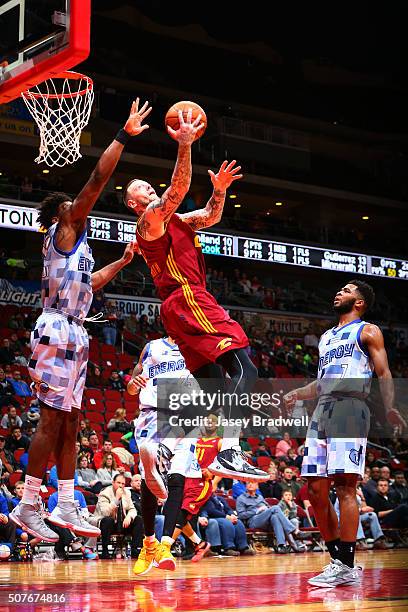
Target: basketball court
[(263, 583)]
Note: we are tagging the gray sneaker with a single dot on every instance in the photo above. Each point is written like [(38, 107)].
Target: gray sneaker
[(233, 463), (69, 516), (337, 574), (29, 518), (156, 459)]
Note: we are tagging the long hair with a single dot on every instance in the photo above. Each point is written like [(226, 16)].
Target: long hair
[(114, 466), (48, 209)]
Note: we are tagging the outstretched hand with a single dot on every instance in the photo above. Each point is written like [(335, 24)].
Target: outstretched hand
[(133, 125), (186, 133), (129, 252), (226, 175)]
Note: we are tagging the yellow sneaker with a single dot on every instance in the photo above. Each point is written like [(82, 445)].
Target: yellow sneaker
[(163, 558), (146, 557)]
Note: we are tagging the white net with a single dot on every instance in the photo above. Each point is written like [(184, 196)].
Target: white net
[(61, 108)]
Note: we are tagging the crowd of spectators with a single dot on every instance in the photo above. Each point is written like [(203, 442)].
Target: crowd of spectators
[(109, 466)]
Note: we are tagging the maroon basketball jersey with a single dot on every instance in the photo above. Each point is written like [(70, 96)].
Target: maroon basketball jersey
[(175, 259)]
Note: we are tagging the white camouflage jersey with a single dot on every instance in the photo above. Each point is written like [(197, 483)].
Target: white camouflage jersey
[(161, 360), (66, 277), (342, 355)]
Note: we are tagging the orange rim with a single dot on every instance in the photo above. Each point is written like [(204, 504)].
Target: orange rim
[(68, 74)]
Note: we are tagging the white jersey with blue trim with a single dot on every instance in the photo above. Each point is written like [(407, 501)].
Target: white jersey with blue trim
[(342, 355), (161, 360), (66, 277)]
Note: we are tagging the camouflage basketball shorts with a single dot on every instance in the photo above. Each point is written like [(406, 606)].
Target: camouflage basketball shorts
[(59, 359), (337, 437)]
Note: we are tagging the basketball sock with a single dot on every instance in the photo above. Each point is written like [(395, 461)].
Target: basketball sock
[(31, 490), (196, 539), (148, 504), (333, 548), (346, 553), (173, 504), (167, 540), (66, 492)]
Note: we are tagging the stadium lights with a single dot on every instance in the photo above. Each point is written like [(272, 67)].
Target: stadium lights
[(45, 171), (278, 203), (118, 187), (162, 185), (233, 196), (1, 174), (365, 218), (237, 205)]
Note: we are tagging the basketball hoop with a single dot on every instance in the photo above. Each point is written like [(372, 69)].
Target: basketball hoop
[(61, 107)]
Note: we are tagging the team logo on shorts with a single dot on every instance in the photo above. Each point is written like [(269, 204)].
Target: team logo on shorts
[(355, 455), (224, 343)]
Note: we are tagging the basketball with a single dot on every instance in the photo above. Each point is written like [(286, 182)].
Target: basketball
[(172, 118)]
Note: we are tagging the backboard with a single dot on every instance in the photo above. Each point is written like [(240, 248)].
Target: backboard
[(39, 39)]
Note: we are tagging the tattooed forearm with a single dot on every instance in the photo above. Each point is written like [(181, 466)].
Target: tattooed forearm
[(180, 184), (210, 215)]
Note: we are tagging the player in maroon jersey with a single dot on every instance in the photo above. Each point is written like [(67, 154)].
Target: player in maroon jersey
[(206, 335)]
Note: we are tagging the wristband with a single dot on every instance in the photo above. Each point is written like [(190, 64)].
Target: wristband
[(122, 136)]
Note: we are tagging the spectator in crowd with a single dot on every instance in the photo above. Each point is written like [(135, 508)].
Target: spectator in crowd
[(271, 488), (6, 354), (15, 343), (144, 325), (385, 473), (299, 457), (11, 419), (19, 385), (115, 381), (370, 459), (284, 445), (367, 517), (253, 509), (6, 391), (109, 329), (94, 447), (85, 449), (7, 527), (370, 487), (86, 476), (291, 458), (261, 451), (388, 508), (399, 488), (288, 482), (13, 322), (238, 488), (17, 440), (99, 454), (289, 508), (115, 512), (7, 459), (66, 538), (264, 370), (135, 489), (85, 428), (31, 417), (94, 378), (131, 324), (107, 472), (119, 422), (232, 530), (310, 340), (157, 326)]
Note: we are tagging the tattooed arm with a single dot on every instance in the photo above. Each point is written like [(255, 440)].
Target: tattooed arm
[(212, 213), (152, 223)]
